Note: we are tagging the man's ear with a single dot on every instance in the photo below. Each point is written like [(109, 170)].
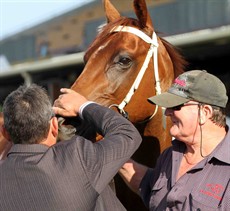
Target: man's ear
[(205, 113), (54, 126), (4, 132)]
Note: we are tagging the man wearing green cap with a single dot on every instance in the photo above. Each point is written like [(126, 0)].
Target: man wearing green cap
[(194, 173)]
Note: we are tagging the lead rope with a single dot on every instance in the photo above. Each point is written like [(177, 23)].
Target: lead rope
[(152, 52)]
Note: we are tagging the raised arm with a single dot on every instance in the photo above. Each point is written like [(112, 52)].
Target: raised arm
[(102, 159), (121, 140)]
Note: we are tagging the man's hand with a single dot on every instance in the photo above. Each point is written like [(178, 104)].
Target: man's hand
[(68, 103)]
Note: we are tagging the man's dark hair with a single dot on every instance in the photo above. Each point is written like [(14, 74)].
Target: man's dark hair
[(27, 112)]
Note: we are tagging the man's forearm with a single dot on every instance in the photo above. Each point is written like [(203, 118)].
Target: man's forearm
[(132, 173)]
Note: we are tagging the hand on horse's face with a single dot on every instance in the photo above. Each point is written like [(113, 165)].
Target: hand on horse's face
[(68, 104)]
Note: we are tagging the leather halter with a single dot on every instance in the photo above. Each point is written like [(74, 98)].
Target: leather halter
[(152, 52)]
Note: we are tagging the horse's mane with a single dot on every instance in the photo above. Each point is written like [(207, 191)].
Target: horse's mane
[(178, 60), (179, 63)]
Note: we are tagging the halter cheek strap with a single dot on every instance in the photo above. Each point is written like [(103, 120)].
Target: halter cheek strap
[(152, 52)]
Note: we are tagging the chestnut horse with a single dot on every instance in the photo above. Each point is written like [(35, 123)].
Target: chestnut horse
[(125, 65)]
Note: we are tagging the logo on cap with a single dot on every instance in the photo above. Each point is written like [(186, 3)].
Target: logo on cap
[(180, 82)]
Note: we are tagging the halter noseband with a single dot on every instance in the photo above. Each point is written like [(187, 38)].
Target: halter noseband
[(152, 52)]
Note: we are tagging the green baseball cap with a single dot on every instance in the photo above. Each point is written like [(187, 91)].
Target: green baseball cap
[(197, 85)]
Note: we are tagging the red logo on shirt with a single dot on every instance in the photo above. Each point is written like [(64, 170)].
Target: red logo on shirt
[(213, 190)]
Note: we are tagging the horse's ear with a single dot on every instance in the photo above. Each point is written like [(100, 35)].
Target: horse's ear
[(111, 13), (143, 15)]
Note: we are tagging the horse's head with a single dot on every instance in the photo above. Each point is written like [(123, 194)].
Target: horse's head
[(115, 58), (127, 63)]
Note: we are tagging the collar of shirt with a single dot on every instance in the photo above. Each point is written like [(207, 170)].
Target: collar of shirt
[(28, 149), (222, 150)]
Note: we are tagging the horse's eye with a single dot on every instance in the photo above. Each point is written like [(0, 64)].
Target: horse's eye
[(125, 61), (122, 62)]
